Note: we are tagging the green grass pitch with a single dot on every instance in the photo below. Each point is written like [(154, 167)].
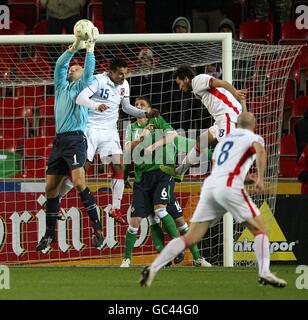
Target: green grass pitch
[(172, 283)]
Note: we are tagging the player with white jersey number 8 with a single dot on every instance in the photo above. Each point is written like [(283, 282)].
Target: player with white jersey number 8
[(223, 191)]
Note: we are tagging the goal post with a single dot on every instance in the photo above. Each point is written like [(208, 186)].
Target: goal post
[(263, 70)]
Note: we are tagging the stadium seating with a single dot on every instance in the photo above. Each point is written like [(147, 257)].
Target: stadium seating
[(9, 55), (288, 156), (295, 74), (26, 11), (34, 167), (239, 11), (298, 107), (38, 146), (41, 27), (291, 35), (100, 25), (30, 92), (36, 152), (15, 118), (256, 31), (287, 146), (33, 66), (293, 85), (5, 72), (302, 58), (46, 107), (47, 127), (8, 143), (95, 10), (16, 27), (95, 14), (140, 24), (287, 167), (102, 66), (290, 93)]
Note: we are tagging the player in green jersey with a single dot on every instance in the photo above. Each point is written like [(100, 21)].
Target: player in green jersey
[(146, 175), (149, 143)]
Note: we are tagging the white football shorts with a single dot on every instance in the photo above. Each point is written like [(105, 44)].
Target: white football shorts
[(222, 127), (215, 202), (103, 142)]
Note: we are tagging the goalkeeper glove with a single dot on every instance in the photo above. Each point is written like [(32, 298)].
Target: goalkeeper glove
[(77, 45), (90, 43)]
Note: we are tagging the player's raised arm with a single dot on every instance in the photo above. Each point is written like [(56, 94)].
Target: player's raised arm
[(261, 165), (89, 66), (62, 64), (238, 94), (244, 105)]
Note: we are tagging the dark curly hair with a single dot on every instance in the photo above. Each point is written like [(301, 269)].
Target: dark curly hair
[(184, 71), (116, 63)]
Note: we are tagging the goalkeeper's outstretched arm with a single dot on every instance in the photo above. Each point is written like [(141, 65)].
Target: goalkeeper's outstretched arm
[(89, 66), (61, 68)]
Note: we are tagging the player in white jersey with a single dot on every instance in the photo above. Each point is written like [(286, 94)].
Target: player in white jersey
[(223, 191), (223, 103), (104, 97)]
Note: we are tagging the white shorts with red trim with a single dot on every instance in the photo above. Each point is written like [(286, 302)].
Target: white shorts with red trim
[(103, 142), (222, 127), (215, 202)]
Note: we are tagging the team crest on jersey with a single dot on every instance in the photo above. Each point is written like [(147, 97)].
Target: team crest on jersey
[(122, 91)]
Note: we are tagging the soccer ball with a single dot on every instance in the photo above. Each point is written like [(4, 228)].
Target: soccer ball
[(83, 28)]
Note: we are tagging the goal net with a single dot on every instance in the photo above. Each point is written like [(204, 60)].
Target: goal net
[(27, 131)]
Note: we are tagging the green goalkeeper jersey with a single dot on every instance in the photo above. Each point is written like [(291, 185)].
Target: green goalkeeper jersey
[(165, 154)]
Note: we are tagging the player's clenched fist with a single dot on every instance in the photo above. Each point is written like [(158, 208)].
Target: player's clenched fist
[(259, 186), (102, 107), (154, 113), (240, 94)]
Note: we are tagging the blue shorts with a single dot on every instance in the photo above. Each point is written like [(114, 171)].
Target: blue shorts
[(69, 152), (153, 189), (173, 207)]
